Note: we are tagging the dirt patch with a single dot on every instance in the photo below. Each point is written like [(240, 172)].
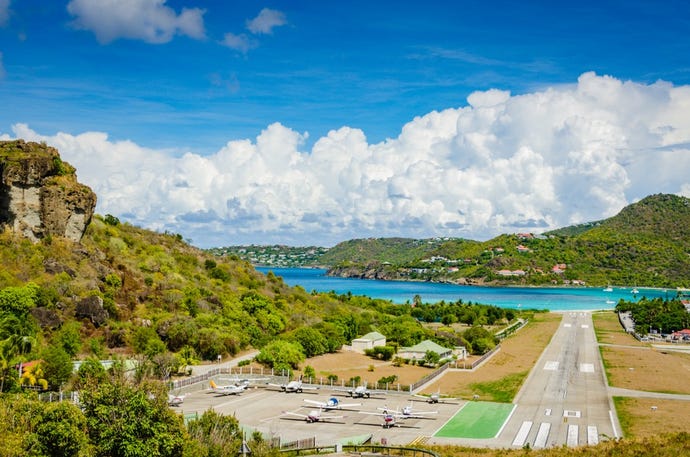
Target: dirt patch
[(519, 352), (610, 331), (346, 365), (647, 369), (645, 417)]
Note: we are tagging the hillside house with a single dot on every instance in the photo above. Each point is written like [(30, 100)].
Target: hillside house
[(521, 248), (368, 341)]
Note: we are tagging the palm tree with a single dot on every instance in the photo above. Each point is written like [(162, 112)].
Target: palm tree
[(17, 338)]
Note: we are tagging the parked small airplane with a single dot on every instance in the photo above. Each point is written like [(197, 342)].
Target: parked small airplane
[(230, 389), (435, 398), (389, 418), (408, 413), (362, 391), (175, 400), (294, 386), (313, 416), (332, 403)]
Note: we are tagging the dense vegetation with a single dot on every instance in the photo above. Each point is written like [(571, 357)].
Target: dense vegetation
[(115, 417), (658, 314), (131, 293)]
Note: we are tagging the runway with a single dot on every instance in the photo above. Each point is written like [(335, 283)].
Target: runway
[(564, 400)]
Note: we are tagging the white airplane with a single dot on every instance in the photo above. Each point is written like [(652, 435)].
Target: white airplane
[(230, 389), (294, 386), (435, 398), (408, 413), (175, 400), (332, 403), (313, 416), (389, 418), (362, 391)]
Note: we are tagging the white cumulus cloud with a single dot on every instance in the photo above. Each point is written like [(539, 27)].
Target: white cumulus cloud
[(266, 21), (500, 164), (240, 42), (147, 20)]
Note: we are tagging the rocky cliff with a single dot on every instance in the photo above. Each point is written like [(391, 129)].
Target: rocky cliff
[(39, 193)]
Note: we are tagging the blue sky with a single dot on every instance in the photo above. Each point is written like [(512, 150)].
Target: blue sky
[(349, 119)]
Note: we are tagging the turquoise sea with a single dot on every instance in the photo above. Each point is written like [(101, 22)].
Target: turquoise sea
[(552, 298)]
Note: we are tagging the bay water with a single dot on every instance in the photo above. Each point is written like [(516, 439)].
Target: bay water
[(551, 298)]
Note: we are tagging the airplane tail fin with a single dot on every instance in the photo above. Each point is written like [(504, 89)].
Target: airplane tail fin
[(213, 384)]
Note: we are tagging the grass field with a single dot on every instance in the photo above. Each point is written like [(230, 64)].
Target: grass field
[(647, 417), (477, 420), (634, 365), (610, 331), (501, 377)]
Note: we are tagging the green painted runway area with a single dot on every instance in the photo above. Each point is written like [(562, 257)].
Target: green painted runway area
[(477, 420)]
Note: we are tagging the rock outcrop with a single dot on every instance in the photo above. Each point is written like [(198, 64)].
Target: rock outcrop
[(92, 309), (39, 193)]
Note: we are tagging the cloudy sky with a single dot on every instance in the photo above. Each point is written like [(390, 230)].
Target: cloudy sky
[(314, 122)]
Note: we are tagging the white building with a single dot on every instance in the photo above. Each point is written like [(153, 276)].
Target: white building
[(368, 341)]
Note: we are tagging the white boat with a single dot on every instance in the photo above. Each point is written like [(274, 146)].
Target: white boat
[(608, 289), (610, 302), (635, 291)]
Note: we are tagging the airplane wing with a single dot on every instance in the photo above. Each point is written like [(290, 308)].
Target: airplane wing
[(347, 405), (328, 405), (292, 413), (424, 413), (434, 398)]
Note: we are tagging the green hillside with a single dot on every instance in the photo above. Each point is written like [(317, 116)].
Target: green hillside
[(646, 244), (381, 250)]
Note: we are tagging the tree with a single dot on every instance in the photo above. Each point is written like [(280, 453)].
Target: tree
[(57, 366), (217, 434), (281, 355), (312, 341), (91, 371), (18, 300), (61, 431), (431, 358), (69, 339), (125, 420), (309, 372)]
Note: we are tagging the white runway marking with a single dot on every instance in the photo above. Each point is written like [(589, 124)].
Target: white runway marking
[(592, 435), (569, 413), (567, 325), (585, 326), (587, 367), (521, 436), (572, 435), (551, 366), (542, 435), (547, 412)]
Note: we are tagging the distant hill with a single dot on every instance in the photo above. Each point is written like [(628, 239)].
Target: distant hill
[(646, 244)]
